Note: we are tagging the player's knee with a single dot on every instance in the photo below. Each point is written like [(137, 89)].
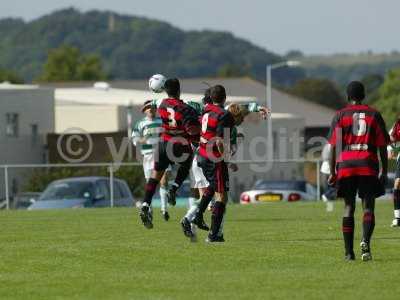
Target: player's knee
[(349, 211), (397, 184), (210, 191), (221, 197), (164, 181)]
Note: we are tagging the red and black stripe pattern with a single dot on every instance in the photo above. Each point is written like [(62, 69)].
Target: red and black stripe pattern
[(214, 121), (358, 131), (178, 120), (396, 131)]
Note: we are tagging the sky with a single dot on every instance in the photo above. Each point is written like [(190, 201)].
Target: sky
[(311, 26)]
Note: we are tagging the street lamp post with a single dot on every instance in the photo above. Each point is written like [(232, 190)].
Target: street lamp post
[(289, 63)]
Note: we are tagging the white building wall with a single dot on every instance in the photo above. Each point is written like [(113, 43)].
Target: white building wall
[(90, 118), (33, 106)]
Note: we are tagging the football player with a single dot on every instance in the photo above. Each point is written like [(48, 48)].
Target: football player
[(216, 123), (181, 128), (198, 181), (357, 133), (146, 135), (392, 149)]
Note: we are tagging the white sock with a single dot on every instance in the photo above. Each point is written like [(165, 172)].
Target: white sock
[(163, 198), (397, 213), (191, 213), (194, 228), (192, 201)]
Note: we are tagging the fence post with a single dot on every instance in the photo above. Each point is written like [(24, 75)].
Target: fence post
[(318, 181), (6, 187), (111, 170)]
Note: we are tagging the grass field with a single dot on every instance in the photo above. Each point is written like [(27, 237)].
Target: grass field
[(277, 251)]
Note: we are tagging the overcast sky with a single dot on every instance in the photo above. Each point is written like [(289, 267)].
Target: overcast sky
[(312, 26)]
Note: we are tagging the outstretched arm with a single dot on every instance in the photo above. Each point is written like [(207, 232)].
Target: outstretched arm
[(253, 107)]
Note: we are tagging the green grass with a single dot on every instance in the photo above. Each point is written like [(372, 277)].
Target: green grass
[(276, 251)]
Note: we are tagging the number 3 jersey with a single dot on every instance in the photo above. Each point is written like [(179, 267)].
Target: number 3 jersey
[(358, 131), (178, 119)]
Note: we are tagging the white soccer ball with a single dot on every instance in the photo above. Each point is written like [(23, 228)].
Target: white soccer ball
[(156, 83)]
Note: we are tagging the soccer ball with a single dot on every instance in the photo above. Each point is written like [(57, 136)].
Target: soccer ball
[(156, 83)]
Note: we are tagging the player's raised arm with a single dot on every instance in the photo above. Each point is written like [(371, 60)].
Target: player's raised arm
[(254, 107)]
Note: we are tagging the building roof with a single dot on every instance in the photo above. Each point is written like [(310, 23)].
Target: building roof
[(10, 86), (123, 97), (245, 89)]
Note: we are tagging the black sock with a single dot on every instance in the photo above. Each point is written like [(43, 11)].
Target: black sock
[(216, 218), (368, 226), (396, 199), (206, 199), (348, 233), (181, 175), (150, 189)]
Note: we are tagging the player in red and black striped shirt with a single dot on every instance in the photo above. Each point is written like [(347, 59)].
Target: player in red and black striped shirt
[(217, 123), (181, 128), (358, 132)]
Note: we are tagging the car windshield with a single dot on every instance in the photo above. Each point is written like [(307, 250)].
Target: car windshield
[(281, 185), (68, 191)]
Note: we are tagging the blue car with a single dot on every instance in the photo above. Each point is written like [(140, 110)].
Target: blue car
[(80, 192)]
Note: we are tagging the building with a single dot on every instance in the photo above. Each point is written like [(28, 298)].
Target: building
[(108, 109), (26, 117)]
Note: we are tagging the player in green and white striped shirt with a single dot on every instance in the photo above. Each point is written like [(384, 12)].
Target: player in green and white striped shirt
[(146, 135)]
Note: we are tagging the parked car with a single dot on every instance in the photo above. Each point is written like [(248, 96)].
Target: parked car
[(82, 192), (24, 200), (276, 191)]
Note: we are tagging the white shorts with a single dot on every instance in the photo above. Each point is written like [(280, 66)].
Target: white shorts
[(148, 165), (197, 178)]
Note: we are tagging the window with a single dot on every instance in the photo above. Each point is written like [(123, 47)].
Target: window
[(12, 124), (34, 134), (102, 189)]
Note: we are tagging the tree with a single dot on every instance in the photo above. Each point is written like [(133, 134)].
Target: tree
[(321, 91), (389, 97), (293, 54), (229, 70), (68, 64), (10, 76), (372, 84)]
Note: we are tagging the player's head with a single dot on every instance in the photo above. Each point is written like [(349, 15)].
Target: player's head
[(173, 88), (355, 91), (148, 109), (237, 113), (218, 94), (207, 96)]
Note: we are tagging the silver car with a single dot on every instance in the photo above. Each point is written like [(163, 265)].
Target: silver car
[(276, 191)]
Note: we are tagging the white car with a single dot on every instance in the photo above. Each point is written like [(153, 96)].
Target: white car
[(276, 191)]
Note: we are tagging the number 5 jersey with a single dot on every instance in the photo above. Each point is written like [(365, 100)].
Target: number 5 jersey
[(358, 131)]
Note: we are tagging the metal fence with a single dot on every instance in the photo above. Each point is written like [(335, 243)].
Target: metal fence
[(249, 172)]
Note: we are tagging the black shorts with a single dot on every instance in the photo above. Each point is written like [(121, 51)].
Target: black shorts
[(216, 173), (398, 168), (363, 185), (168, 153)]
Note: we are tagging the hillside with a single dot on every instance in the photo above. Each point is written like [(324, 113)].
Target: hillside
[(343, 68), (131, 47)]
